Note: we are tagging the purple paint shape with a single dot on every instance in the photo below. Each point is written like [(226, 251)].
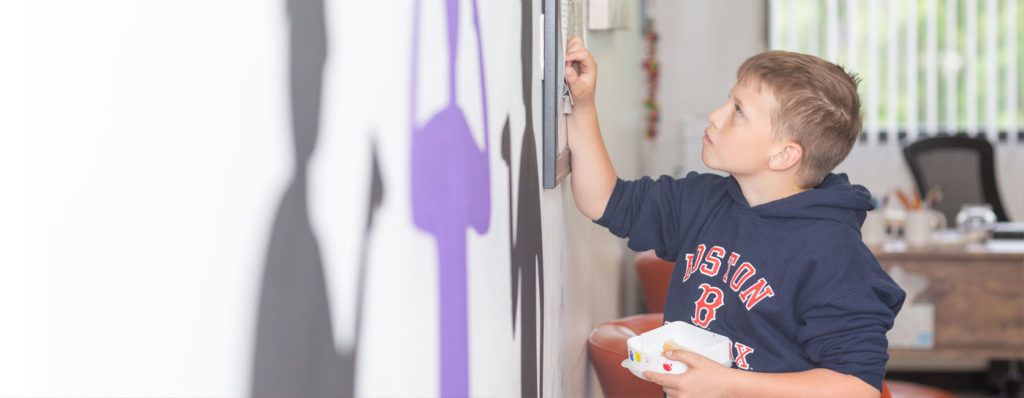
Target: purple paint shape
[(450, 193)]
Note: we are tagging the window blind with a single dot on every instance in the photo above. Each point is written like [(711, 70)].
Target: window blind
[(928, 67)]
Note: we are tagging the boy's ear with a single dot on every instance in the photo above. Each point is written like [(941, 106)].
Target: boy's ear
[(787, 156)]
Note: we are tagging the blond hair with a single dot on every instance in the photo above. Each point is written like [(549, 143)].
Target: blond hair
[(815, 104)]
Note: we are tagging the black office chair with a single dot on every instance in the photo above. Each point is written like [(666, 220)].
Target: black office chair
[(962, 167)]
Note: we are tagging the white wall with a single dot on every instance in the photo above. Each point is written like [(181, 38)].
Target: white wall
[(598, 261), (148, 149), (702, 47), (702, 44), (145, 159)]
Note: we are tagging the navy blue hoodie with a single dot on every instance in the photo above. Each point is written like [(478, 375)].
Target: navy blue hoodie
[(789, 281)]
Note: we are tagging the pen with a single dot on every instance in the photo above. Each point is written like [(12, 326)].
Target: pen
[(934, 196), (903, 198)]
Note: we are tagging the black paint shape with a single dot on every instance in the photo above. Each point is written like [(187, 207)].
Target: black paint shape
[(295, 353), (526, 244)]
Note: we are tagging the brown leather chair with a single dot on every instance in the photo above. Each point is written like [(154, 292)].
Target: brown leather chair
[(607, 347), (654, 274)]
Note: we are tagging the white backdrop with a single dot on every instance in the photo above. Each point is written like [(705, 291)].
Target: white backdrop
[(148, 153), (145, 148)]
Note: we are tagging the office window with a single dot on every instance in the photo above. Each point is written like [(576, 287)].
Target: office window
[(929, 67)]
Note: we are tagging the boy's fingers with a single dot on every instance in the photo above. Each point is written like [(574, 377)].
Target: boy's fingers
[(575, 45), (689, 358), (584, 58), (579, 55), (580, 51), (574, 56), (677, 355), (657, 378)]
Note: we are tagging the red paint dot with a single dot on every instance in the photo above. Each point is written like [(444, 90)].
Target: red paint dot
[(667, 366)]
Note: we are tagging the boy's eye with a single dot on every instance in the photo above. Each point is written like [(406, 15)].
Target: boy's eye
[(738, 110)]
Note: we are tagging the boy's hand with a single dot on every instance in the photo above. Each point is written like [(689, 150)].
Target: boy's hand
[(704, 378), (584, 84), (593, 177)]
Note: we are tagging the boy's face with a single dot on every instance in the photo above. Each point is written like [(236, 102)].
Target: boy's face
[(739, 140)]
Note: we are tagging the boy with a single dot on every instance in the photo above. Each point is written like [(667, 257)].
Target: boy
[(770, 256)]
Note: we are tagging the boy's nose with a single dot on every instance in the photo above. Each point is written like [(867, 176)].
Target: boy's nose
[(715, 117)]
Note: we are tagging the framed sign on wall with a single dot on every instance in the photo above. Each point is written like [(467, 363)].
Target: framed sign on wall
[(563, 19)]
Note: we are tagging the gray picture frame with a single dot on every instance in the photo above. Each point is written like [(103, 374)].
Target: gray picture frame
[(556, 155)]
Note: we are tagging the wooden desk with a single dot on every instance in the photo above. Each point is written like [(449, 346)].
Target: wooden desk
[(978, 298)]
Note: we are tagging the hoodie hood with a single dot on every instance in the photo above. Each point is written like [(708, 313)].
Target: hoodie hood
[(834, 199)]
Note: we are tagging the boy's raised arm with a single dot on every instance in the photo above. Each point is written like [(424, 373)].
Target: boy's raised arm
[(593, 176)]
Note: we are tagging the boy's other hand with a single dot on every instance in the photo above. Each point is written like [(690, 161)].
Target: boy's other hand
[(582, 84), (704, 378)]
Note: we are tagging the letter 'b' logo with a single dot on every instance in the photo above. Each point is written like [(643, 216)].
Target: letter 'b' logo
[(706, 306)]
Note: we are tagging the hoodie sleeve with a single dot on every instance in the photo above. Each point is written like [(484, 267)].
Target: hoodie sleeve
[(650, 213), (847, 334)]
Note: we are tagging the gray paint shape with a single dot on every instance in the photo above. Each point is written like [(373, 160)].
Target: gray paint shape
[(526, 244), (295, 353)]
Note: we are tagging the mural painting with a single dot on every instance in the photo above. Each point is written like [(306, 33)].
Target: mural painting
[(450, 193), (295, 353), (450, 176), (526, 243)]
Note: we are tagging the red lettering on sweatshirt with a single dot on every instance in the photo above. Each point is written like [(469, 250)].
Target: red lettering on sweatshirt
[(756, 292), (707, 305), (713, 262), (689, 266), (743, 273), (709, 263), (733, 258), (741, 355)]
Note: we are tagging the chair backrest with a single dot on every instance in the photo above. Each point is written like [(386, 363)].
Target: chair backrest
[(607, 347), (962, 167), (654, 274)]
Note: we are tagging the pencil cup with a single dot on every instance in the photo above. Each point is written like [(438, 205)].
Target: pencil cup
[(920, 225)]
